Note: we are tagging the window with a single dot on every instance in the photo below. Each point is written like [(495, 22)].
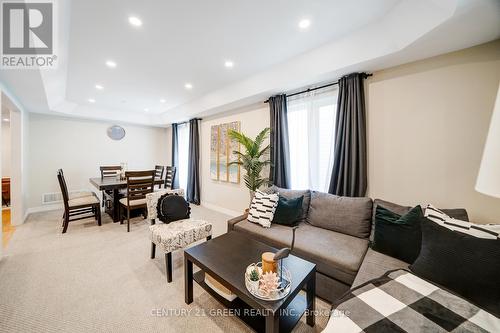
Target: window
[(183, 142), (311, 127)]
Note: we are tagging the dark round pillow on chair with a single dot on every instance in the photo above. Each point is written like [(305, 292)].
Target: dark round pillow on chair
[(172, 207)]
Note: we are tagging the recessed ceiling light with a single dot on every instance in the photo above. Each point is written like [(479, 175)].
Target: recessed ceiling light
[(162, 100), (99, 87), (229, 64), (304, 24), (111, 64), (188, 86), (146, 109), (6, 119), (91, 100), (135, 21)]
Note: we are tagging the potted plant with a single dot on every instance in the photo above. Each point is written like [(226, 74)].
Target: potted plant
[(254, 279), (253, 160)]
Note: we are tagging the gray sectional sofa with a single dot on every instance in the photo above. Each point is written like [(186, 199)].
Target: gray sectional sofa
[(334, 233)]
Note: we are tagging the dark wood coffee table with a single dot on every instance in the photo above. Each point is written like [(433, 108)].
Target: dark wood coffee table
[(226, 258)]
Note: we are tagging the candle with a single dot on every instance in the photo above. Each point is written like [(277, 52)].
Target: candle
[(268, 264)]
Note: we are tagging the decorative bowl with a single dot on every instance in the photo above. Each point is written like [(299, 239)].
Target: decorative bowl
[(280, 292)]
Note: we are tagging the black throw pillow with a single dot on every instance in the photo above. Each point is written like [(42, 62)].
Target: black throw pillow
[(289, 211), (398, 236), (464, 264), (172, 207)]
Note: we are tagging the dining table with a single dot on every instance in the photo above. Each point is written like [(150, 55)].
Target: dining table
[(113, 185)]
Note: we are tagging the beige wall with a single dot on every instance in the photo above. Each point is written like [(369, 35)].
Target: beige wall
[(427, 125), (79, 147), (230, 198)]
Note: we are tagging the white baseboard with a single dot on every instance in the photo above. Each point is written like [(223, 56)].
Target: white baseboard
[(222, 210), (39, 209)]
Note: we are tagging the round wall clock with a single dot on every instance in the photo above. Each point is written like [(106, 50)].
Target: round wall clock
[(116, 132)]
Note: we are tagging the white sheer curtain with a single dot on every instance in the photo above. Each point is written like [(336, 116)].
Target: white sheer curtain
[(311, 127), (183, 142)]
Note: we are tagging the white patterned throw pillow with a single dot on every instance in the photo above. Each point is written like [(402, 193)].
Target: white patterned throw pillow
[(489, 231), (262, 208)]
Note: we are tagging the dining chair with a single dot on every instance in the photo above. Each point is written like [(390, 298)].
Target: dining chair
[(79, 205), (159, 169), (6, 191), (109, 171), (169, 177), (139, 183)]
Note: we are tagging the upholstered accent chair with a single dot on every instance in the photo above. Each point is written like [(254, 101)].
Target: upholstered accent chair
[(84, 203), (174, 235), (139, 183)]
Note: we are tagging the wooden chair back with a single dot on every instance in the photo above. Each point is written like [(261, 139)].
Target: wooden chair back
[(169, 177), (110, 170), (6, 188), (159, 169), (139, 183), (64, 187)]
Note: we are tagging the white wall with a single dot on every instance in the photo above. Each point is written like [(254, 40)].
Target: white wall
[(427, 125), (227, 197), (79, 147), (5, 149)]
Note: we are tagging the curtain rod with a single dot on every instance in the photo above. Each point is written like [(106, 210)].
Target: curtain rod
[(317, 88), (187, 121)]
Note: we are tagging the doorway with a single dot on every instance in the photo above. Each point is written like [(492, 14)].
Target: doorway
[(12, 212)]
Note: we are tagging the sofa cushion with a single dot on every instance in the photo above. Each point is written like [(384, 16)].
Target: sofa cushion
[(351, 216), (289, 211), (290, 194), (336, 255), (277, 235), (460, 262), (398, 236), (457, 213), (374, 265)]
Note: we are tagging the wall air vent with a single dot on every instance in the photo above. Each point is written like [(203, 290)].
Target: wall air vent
[(56, 197)]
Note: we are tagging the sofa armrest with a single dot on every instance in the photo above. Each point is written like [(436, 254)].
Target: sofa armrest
[(233, 221)]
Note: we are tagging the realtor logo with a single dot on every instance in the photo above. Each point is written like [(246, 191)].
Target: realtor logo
[(27, 34)]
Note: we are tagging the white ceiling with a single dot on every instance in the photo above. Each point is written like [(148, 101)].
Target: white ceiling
[(189, 40)]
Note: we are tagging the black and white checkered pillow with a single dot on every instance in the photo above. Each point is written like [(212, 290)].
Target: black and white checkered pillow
[(262, 208), (489, 231)]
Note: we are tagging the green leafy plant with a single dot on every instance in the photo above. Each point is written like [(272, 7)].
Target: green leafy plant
[(254, 159), (254, 275)]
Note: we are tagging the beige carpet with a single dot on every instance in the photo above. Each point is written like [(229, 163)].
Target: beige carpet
[(100, 279)]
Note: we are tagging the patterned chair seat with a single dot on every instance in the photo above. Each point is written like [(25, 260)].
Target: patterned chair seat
[(179, 234)]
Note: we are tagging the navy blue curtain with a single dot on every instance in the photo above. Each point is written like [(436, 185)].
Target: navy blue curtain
[(175, 156), (193, 181), (280, 148), (349, 175)]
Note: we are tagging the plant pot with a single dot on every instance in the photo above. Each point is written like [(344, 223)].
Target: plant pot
[(254, 286)]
